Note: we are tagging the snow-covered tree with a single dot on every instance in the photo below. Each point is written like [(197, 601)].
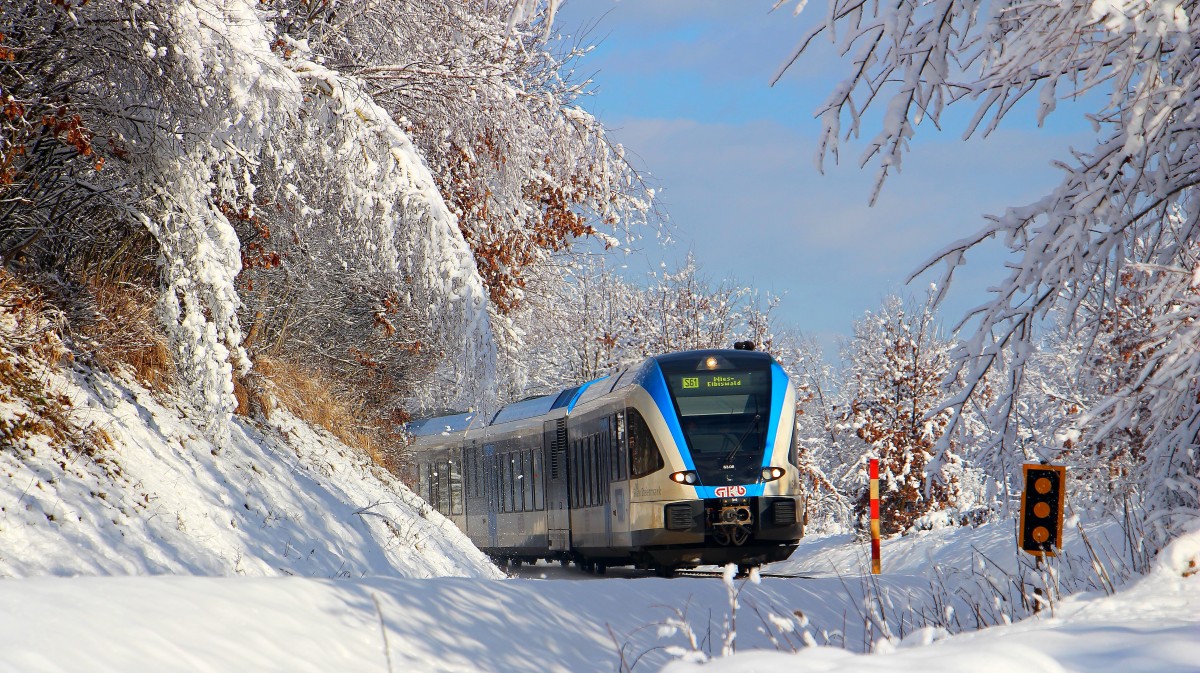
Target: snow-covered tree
[(1128, 204), (488, 97), (896, 363), (362, 186), (588, 321), (827, 452)]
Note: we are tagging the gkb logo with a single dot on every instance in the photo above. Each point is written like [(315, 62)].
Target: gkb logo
[(729, 491)]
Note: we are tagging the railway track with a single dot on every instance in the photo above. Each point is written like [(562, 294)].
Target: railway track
[(718, 573)]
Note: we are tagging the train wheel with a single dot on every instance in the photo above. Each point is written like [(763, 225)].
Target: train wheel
[(601, 569), (589, 567), (564, 562), (743, 571), (664, 571), (514, 563)]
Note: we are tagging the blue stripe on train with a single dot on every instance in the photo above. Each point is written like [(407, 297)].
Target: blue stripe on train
[(655, 383)]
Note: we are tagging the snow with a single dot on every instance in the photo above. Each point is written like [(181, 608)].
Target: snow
[(272, 499), (473, 624), (280, 549)]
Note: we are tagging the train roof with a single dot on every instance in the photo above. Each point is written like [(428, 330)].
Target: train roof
[(425, 427), (537, 406), (736, 356)]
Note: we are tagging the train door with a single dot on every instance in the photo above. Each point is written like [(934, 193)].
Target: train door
[(619, 456), (558, 506)]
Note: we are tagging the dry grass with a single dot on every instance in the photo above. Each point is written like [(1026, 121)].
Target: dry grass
[(29, 336), (125, 331), (311, 395)]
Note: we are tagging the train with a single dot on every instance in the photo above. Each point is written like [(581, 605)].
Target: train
[(682, 460)]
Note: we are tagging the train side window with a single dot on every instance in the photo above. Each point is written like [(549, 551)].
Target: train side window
[(513, 504), (423, 481), (456, 489), (610, 473), (572, 474), (538, 487), (579, 467), (527, 480), (601, 469), (598, 456), (622, 453), (585, 469), (443, 481), (591, 470), (644, 456), (519, 480), (434, 491), (505, 477), (610, 465), (610, 450), (468, 465), (474, 472)]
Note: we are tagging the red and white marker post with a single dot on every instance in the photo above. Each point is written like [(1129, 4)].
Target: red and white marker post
[(873, 472)]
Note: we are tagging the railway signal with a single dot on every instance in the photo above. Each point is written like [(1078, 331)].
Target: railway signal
[(1040, 528)]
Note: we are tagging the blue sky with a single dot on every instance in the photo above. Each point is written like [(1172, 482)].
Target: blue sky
[(683, 84)]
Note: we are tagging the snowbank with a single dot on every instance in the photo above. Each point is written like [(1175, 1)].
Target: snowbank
[(1153, 625), (273, 499)]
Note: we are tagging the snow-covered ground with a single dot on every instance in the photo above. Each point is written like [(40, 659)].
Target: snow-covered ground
[(472, 624), (283, 550)]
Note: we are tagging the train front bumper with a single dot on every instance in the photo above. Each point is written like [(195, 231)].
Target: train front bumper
[(692, 532)]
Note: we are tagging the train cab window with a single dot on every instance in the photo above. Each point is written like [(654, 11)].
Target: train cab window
[(644, 456)]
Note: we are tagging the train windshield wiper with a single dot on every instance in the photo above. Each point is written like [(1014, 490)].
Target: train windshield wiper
[(738, 447)]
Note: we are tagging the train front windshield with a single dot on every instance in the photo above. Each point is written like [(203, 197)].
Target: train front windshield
[(724, 405)]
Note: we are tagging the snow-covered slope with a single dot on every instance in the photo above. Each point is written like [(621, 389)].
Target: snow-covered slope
[(159, 498)]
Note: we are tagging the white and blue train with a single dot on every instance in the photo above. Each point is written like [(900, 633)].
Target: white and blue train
[(685, 459)]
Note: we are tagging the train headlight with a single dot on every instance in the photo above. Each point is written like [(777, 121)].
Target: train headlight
[(711, 362), (686, 477), (772, 473)]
